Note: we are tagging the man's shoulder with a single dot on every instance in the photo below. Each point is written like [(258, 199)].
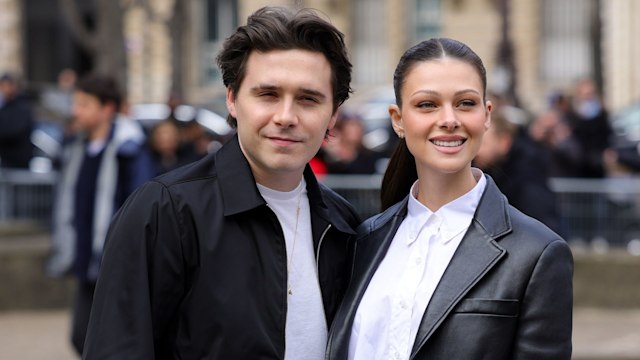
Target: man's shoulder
[(199, 170)]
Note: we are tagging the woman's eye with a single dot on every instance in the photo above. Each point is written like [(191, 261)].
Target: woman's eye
[(426, 105), (467, 103)]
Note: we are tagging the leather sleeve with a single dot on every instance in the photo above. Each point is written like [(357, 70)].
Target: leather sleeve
[(544, 331), (141, 280)]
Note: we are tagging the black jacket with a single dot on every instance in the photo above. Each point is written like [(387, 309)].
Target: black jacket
[(195, 266), (16, 123), (506, 294)]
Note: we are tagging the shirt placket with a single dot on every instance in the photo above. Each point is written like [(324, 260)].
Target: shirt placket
[(402, 305)]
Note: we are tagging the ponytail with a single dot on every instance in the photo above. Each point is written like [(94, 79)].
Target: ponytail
[(400, 175)]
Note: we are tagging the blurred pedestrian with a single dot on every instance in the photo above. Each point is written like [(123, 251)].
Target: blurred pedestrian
[(589, 122), (164, 143), (101, 166), (449, 270), (344, 151), (16, 124), (58, 100), (553, 133), (519, 168), (242, 254)]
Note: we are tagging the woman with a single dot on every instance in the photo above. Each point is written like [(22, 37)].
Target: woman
[(451, 271)]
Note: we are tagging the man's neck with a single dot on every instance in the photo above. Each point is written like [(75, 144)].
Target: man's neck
[(100, 132)]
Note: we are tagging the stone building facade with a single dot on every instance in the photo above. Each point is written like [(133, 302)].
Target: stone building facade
[(548, 57)]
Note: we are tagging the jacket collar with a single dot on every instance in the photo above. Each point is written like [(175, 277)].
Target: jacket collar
[(477, 254), (240, 193), (237, 184)]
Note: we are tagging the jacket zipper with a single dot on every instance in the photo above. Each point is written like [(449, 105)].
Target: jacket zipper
[(318, 251), (286, 278)]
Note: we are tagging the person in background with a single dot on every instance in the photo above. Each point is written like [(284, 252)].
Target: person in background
[(344, 152), (589, 122), (101, 166), (242, 254), (16, 124), (164, 142), (590, 126), (518, 167), (552, 131), (57, 100), (449, 270)]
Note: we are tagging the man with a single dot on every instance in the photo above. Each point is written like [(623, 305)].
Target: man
[(16, 124), (240, 255), (100, 167)]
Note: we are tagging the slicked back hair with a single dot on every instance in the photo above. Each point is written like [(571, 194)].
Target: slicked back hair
[(401, 172)]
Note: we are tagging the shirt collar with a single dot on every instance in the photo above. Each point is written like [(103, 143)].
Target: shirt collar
[(451, 219)]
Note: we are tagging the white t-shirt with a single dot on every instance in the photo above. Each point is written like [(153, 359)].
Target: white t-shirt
[(306, 326)]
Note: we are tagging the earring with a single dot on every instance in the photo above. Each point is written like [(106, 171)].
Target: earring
[(401, 135)]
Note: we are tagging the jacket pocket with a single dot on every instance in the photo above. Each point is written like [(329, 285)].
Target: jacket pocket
[(498, 307)]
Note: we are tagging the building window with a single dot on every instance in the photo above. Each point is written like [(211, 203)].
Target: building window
[(221, 18), (369, 49), (566, 40), (427, 20)]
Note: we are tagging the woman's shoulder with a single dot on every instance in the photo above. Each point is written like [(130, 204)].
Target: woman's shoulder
[(380, 220), (528, 232)]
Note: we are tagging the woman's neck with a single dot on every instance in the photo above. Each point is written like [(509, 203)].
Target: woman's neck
[(437, 190)]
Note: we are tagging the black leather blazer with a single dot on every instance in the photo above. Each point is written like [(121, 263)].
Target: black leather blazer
[(506, 294)]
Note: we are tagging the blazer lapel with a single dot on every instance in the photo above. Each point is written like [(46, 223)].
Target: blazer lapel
[(475, 256)]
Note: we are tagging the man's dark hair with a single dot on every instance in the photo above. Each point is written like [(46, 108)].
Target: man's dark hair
[(104, 87), (278, 28)]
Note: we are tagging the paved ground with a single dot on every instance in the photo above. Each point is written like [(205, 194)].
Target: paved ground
[(598, 334)]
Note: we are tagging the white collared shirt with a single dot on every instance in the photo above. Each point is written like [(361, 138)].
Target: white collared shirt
[(389, 315)]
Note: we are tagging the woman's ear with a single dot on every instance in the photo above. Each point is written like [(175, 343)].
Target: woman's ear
[(489, 108), (396, 120)]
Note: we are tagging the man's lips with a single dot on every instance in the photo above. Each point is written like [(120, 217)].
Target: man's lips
[(283, 140)]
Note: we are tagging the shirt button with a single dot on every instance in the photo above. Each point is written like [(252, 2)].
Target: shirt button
[(418, 261), (403, 305)]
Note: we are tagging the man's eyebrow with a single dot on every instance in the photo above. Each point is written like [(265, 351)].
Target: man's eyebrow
[(304, 91), (263, 87)]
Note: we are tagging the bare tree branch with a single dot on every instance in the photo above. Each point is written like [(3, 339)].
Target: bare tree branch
[(79, 29)]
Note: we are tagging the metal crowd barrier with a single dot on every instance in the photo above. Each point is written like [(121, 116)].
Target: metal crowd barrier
[(26, 195), (594, 211)]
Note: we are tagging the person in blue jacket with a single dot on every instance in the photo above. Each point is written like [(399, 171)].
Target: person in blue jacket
[(102, 164)]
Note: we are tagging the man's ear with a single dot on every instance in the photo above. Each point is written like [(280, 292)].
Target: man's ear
[(109, 109), (332, 122), (396, 120), (231, 102)]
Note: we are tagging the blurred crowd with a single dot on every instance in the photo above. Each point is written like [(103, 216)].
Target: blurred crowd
[(27, 116), (571, 138)]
